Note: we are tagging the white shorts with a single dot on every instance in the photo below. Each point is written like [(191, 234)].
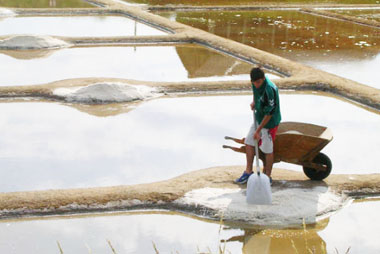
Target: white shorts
[(266, 145)]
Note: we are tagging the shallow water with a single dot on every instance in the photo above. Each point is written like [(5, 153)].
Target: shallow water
[(371, 14), (136, 232), (63, 147), (45, 4), (342, 48), (145, 63), (243, 2), (81, 26)]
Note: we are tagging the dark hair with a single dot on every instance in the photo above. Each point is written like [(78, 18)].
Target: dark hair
[(257, 73)]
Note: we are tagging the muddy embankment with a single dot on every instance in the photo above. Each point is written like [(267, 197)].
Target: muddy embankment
[(165, 194)]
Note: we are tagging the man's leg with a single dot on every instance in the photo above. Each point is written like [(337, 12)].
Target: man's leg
[(250, 154), (269, 158)]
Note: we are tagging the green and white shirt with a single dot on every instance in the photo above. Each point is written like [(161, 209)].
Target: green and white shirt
[(267, 102)]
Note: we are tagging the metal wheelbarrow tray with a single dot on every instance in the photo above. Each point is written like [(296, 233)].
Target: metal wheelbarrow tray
[(299, 143)]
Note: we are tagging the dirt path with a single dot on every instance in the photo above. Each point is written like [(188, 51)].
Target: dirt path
[(162, 194)]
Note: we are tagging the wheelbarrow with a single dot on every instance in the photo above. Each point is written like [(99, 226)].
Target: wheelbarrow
[(300, 144)]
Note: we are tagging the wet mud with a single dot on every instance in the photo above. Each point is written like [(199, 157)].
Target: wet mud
[(241, 2), (370, 14), (348, 18)]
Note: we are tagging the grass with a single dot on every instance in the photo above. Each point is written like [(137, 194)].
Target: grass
[(155, 248), (112, 248), (88, 248), (222, 244), (311, 250), (59, 247)]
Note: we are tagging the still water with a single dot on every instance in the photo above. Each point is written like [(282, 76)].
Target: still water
[(81, 26), (52, 145), (45, 4), (371, 14), (342, 48), (244, 2), (136, 232), (145, 63)]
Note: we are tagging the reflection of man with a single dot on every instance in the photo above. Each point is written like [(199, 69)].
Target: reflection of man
[(266, 105), (282, 240)]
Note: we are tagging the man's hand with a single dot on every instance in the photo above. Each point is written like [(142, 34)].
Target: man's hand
[(252, 105), (257, 135)]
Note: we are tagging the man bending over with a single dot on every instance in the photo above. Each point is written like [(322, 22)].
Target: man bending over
[(266, 106)]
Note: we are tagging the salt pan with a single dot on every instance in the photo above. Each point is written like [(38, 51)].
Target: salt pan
[(289, 206)]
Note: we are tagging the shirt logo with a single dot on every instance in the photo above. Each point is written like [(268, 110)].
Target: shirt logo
[(271, 102)]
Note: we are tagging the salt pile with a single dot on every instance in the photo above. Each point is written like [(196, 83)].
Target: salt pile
[(6, 13), (25, 42), (106, 93), (289, 206)]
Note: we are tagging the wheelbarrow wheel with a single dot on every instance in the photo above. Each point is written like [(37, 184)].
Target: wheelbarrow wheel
[(319, 175)]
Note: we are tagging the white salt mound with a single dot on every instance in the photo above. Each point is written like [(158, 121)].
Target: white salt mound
[(106, 93), (289, 206), (6, 13), (25, 42)]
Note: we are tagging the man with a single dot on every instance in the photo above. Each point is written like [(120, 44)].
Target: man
[(266, 105)]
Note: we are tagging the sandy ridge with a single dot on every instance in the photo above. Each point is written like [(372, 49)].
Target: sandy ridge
[(46, 91), (164, 194)]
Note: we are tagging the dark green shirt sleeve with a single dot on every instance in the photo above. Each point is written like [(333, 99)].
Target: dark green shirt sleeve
[(269, 104)]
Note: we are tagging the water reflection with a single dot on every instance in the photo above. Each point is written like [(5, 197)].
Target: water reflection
[(45, 4), (128, 233), (243, 2), (95, 26), (135, 232), (30, 54), (360, 223), (48, 145), (324, 43), (283, 241), (149, 63)]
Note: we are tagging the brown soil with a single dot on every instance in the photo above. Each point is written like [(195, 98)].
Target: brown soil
[(165, 192)]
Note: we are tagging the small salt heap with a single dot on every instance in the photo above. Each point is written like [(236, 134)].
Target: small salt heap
[(25, 42), (106, 93), (6, 13)]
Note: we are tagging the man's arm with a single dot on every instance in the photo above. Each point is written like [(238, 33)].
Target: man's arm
[(252, 105), (268, 110), (263, 123)]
